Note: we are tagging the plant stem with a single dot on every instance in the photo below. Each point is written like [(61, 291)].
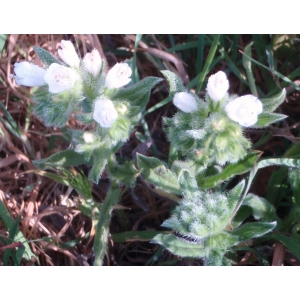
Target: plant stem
[(102, 229)]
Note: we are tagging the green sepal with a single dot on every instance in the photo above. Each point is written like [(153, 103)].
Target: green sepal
[(46, 57), (155, 172), (240, 167), (270, 104), (264, 119), (175, 83), (179, 246), (250, 231), (64, 158), (53, 110)]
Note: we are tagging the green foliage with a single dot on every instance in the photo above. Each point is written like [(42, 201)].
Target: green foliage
[(46, 57), (154, 171)]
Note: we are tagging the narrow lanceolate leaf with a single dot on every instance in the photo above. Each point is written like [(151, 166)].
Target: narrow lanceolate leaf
[(179, 246), (251, 230), (240, 167), (265, 119), (291, 243), (289, 162), (293, 152), (294, 179), (261, 208), (64, 158), (247, 66), (18, 236), (138, 93), (270, 104), (100, 157), (235, 194), (175, 83), (154, 171), (46, 57)]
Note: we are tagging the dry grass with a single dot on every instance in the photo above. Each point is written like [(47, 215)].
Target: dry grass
[(40, 201)]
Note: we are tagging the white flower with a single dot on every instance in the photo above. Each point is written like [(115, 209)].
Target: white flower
[(93, 62), (185, 102), (29, 74), (105, 113), (244, 110), (118, 76), (60, 78), (89, 137), (217, 86), (68, 54)]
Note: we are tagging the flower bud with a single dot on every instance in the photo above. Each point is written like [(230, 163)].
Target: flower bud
[(29, 74), (105, 113), (185, 102), (118, 76), (59, 78), (217, 86), (89, 137), (68, 54), (244, 110), (92, 61)]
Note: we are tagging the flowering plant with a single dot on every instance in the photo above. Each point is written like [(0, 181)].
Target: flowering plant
[(98, 99)]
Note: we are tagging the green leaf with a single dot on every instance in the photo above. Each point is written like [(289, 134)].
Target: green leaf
[(261, 208), (2, 42), (250, 231), (86, 119), (264, 119), (18, 235), (247, 66), (240, 167), (138, 93), (291, 243), (46, 57), (293, 152), (130, 236), (294, 180), (289, 162), (154, 171), (175, 83), (99, 157), (235, 194), (208, 62), (53, 110), (64, 158), (179, 246), (270, 104), (126, 173)]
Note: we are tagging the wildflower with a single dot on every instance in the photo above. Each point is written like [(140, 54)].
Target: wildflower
[(59, 78), (185, 102), (93, 62), (244, 110), (105, 113), (217, 86), (29, 74), (68, 54), (118, 76)]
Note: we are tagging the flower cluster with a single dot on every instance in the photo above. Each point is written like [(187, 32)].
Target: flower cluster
[(61, 77), (243, 110)]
